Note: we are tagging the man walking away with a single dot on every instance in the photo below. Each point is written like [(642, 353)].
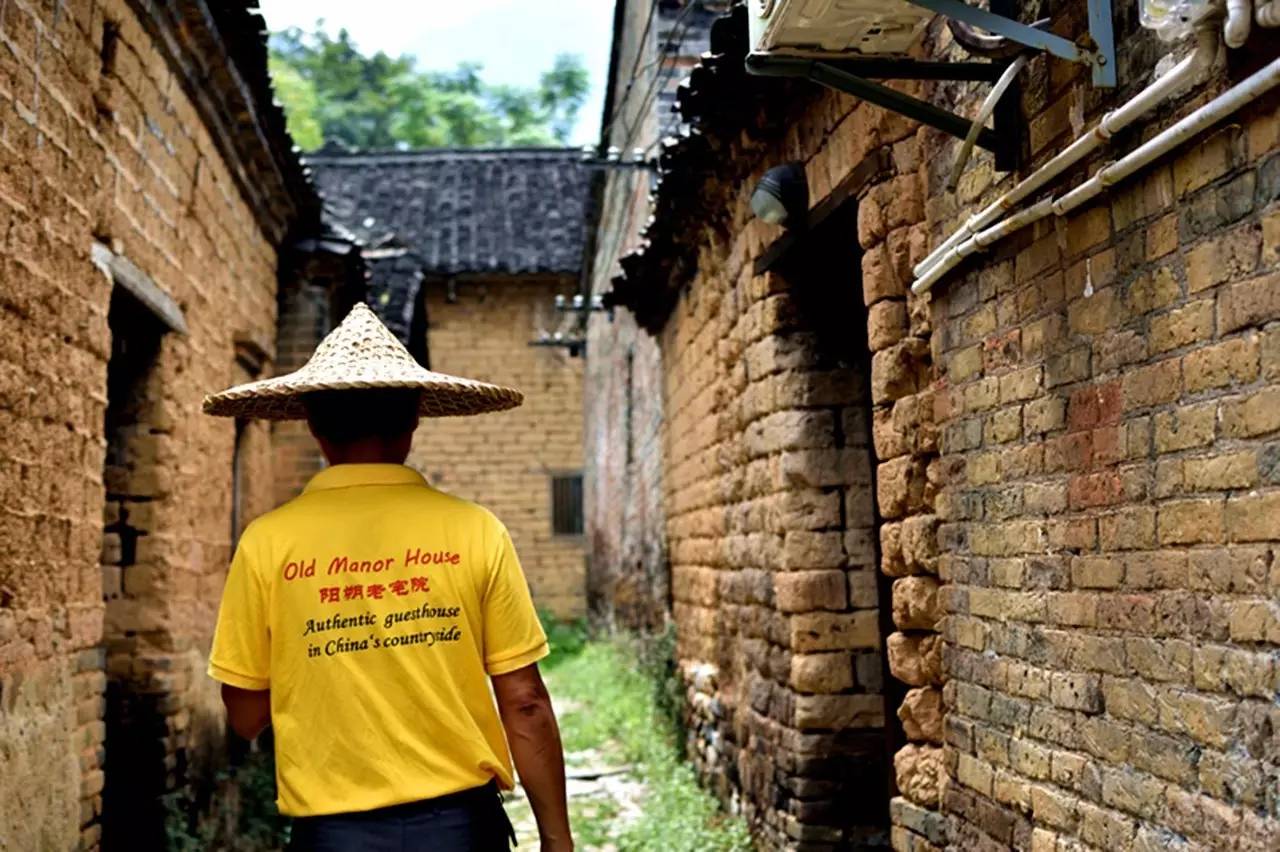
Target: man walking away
[(366, 620)]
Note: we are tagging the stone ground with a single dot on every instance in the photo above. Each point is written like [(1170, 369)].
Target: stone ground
[(604, 794)]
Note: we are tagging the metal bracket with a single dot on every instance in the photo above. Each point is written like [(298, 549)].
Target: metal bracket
[(1102, 30), (851, 75), (575, 345), (612, 159), (846, 76), (1100, 54)]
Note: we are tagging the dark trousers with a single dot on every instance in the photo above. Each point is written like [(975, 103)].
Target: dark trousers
[(470, 821)]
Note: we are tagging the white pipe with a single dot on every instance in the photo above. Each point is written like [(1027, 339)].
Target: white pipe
[(1182, 74), (1239, 21), (988, 107), (1250, 89), (1267, 13)]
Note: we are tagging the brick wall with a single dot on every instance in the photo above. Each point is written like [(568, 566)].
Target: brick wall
[(629, 579), (1108, 410), (771, 523), (104, 145), (1071, 446), (776, 417), (506, 461)]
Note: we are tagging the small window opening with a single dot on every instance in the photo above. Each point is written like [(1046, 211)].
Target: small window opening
[(566, 504), (110, 44)]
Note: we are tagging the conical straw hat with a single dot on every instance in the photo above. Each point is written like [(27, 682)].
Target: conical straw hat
[(360, 353)]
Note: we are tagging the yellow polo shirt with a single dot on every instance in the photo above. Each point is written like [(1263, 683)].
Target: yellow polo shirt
[(374, 608)]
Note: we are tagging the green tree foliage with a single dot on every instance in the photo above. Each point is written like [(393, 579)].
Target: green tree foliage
[(332, 92)]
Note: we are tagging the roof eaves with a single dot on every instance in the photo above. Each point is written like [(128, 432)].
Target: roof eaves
[(717, 100), (218, 53)]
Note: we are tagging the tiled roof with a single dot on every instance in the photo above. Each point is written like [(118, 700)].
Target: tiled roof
[(459, 211)]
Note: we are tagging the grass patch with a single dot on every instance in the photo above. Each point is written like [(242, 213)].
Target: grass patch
[(565, 638), (622, 703)]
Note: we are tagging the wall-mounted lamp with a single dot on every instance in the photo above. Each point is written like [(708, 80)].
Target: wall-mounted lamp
[(782, 196)]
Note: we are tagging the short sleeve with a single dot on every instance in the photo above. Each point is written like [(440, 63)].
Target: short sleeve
[(241, 654), (513, 636)]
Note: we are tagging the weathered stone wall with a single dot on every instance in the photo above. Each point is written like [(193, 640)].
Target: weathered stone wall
[(772, 519), (100, 143), (506, 461), (1108, 402), (773, 513), (1073, 473), (770, 513)]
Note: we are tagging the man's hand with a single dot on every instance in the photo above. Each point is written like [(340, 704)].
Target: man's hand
[(534, 736), (248, 710)]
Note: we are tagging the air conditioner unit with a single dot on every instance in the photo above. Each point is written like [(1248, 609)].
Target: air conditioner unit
[(826, 27)]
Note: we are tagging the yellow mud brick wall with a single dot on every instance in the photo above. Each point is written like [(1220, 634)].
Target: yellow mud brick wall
[(109, 149), (506, 461)]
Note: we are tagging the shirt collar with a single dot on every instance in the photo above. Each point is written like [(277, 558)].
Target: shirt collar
[(349, 475)]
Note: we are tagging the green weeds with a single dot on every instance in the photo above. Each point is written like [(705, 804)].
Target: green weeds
[(566, 639), (622, 699), (241, 815)]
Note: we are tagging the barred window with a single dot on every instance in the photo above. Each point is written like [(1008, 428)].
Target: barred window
[(566, 504)]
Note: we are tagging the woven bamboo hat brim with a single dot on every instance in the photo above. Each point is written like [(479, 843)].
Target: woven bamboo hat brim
[(360, 353)]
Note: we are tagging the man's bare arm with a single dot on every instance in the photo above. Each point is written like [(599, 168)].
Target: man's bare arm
[(534, 736), (248, 710)]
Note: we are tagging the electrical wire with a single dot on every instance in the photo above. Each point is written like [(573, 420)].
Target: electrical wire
[(679, 30), (633, 76), (675, 39)]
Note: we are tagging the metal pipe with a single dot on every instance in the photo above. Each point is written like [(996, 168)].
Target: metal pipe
[(1247, 91), (1239, 21), (988, 107), (1185, 72), (978, 43)]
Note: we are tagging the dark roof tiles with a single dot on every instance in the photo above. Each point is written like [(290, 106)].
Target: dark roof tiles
[(507, 211)]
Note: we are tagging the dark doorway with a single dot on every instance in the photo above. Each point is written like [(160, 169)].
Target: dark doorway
[(822, 268), (136, 731)]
